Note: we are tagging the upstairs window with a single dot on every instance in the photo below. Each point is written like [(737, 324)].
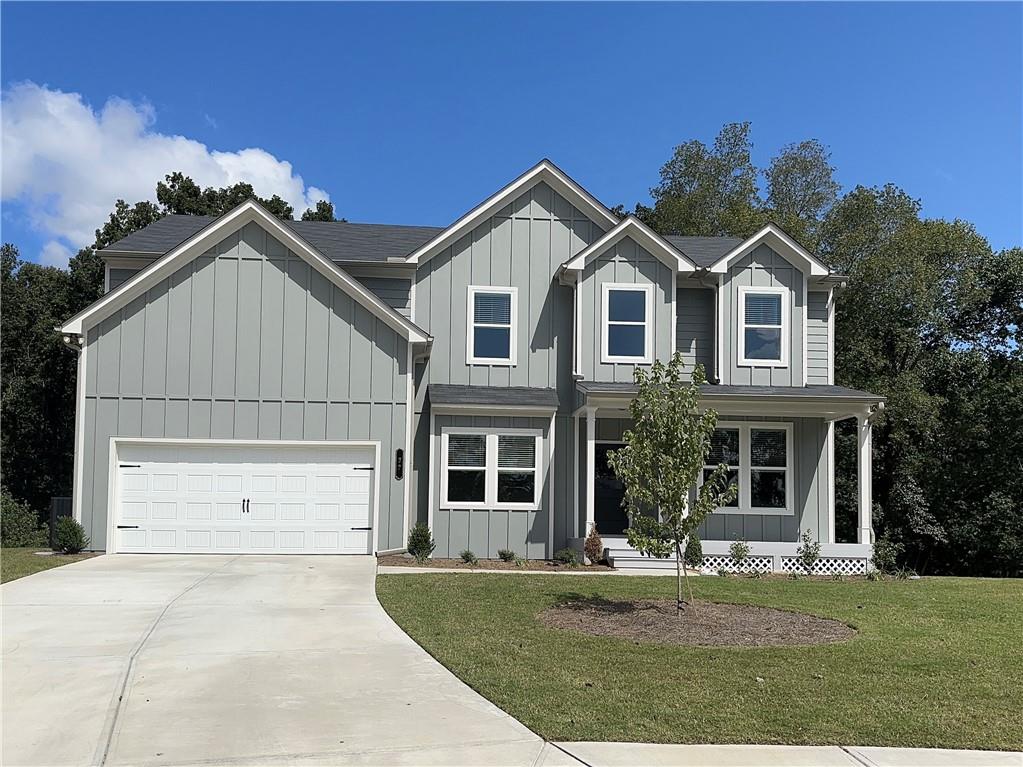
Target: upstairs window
[(490, 336), (763, 327), (627, 327)]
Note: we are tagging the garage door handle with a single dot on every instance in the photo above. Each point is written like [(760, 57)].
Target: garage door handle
[(127, 527), (131, 465), (362, 468), (362, 528)]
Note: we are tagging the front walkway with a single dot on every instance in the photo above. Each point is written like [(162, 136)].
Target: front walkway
[(244, 660)]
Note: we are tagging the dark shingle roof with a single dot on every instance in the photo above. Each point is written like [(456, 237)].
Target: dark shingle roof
[(455, 394), (338, 241), (704, 251), (793, 392)]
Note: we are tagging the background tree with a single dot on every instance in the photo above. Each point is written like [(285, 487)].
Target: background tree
[(324, 211), (707, 190), (801, 188), (665, 452)]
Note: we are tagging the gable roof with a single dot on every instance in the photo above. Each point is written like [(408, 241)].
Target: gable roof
[(773, 236), (545, 171), (635, 229), (337, 240), (215, 231)]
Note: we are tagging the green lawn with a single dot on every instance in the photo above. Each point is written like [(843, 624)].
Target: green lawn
[(17, 563), (937, 662)]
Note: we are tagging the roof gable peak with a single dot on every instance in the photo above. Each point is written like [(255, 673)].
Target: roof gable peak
[(630, 226)]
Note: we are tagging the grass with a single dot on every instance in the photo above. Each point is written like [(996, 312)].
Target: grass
[(936, 663), (18, 562)]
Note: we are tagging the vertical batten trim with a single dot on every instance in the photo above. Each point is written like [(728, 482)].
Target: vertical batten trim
[(832, 296), (79, 461), (575, 483), (409, 467), (831, 481), (550, 485), (720, 340), (805, 323), (432, 465)]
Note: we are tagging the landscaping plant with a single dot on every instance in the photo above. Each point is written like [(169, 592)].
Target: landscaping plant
[(420, 542), (69, 536), (469, 558), (809, 552), (593, 546), (19, 524), (694, 552), (738, 552), (566, 556), (663, 459), (506, 555)]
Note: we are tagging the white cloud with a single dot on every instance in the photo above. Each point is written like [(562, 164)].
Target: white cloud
[(67, 163), (55, 254)]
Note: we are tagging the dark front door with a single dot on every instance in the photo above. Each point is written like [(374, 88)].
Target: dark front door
[(608, 492)]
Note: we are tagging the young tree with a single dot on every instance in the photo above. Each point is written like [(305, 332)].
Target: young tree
[(664, 455)]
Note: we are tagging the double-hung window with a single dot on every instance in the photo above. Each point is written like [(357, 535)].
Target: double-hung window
[(763, 327), (724, 448), (490, 468), (627, 324), (759, 460), (490, 335)]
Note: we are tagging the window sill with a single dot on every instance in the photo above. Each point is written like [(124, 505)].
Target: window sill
[(490, 363), (756, 512), (489, 507), (626, 361), (762, 363)]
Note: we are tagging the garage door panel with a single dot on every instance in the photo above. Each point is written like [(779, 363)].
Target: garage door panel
[(240, 499)]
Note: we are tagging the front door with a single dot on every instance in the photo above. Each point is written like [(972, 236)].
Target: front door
[(609, 492)]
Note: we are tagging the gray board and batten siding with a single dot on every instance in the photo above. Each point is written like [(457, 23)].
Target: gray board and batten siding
[(245, 342)]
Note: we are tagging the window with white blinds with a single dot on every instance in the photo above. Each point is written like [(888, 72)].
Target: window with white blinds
[(490, 333), (763, 332), (490, 468)]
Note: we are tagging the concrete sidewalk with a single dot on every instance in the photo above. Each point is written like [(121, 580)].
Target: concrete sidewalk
[(660, 755)]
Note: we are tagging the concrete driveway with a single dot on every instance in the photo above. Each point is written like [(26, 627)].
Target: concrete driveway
[(153, 659)]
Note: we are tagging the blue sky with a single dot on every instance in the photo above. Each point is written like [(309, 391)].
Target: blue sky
[(412, 113)]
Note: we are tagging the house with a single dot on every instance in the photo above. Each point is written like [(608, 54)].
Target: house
[(253, 385)]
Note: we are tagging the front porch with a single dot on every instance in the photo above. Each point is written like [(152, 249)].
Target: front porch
[(779, 499)]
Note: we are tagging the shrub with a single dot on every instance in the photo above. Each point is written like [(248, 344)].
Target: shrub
[(69, 536), (420, 542), (809, 552), (886, 555), (739, 553), (694, 552), (506, 555), (19, 524), (567, 556), (593, 546), (469, 558)]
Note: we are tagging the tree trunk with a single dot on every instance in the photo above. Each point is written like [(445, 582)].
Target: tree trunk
[(679, 568)]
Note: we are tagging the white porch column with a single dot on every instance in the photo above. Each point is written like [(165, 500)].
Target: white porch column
[(575, 476), (864, 466), (591, 459)]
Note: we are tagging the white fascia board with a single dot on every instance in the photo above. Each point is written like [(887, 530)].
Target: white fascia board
[(643, 235), (545, 170), (216, 231), (780, 242)]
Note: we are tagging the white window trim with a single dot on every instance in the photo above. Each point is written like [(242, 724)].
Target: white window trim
[(470, 314), (491, 469), (786, 327), (746, 469), (648, 322)]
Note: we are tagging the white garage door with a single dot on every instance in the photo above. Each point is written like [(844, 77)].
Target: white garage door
[(244, 499)]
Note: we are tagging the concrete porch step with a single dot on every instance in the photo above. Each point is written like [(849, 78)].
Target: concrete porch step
[(637, 561)]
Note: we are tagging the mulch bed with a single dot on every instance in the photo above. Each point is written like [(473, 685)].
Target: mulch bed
[(707, 624), (401, 560)]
